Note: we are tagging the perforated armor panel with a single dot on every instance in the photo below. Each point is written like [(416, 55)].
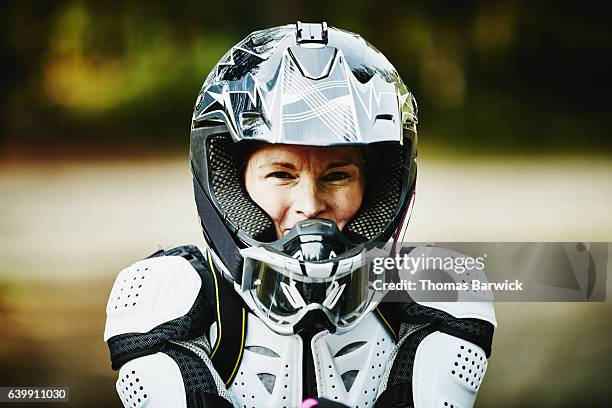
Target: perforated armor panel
[(152, 381), (447, 372), (349, 367), (270, 373), (149, 293)]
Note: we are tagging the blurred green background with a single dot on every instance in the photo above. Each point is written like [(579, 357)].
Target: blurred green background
[(494, 76), (515, 145)]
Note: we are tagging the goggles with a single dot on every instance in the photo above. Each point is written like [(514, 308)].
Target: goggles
[(282, 288)]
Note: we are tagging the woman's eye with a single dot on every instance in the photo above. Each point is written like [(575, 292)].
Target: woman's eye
[(337, 175), (280, 175)]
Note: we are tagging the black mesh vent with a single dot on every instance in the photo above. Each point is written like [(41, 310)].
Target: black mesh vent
[(227, 188), (384, 187), (195, 372), (401, 371)]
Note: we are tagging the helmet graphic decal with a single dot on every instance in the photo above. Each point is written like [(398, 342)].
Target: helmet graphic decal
[(324, 108)]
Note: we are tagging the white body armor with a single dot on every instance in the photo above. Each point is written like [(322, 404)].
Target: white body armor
[(352, 368), (348, 367)]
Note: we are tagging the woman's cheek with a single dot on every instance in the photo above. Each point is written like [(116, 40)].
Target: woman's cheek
[(272, 201)]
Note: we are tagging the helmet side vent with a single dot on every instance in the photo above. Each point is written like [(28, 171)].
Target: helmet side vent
[(226, 182)]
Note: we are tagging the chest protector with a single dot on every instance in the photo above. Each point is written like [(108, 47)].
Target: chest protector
[(273, 369), (264, 369), (439, 359)]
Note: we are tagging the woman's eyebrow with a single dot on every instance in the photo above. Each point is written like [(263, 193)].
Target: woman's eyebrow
[(276, 163), (340, 164)]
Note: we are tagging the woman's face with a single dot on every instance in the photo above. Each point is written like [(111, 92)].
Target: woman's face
[(294, 183)]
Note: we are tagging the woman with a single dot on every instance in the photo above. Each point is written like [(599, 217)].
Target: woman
[(303, 154)]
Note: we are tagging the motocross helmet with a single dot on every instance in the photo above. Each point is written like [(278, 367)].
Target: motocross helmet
[(314, 85)]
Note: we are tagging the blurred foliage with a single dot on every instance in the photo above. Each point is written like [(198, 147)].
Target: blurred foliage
[(493, 76)]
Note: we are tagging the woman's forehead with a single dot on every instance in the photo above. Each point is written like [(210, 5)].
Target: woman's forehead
[(271, 153)]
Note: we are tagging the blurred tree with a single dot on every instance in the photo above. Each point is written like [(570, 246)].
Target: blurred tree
[(508, 75)]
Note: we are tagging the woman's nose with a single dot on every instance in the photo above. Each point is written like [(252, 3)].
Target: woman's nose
[(309, 200)]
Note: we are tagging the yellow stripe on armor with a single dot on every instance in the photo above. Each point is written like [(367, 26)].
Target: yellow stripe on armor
[(241, 348), (386, 323), (219, 331)]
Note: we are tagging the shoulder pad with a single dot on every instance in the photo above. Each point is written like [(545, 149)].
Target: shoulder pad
[(469, 303), (151, 292)]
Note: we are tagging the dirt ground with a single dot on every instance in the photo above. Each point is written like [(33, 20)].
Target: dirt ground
[(67, 228)]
